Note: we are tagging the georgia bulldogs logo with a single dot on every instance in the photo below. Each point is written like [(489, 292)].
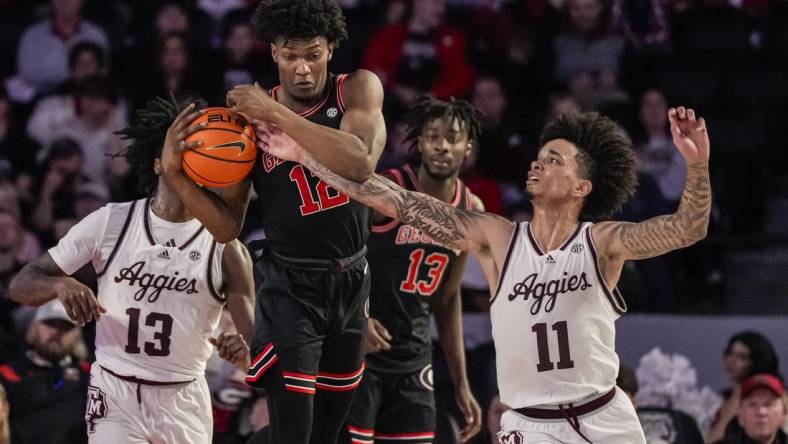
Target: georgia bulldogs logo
[(96, 408), (425, 377)]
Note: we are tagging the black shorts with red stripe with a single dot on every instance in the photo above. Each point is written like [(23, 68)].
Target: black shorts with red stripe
[(393, 408), (311, 323)]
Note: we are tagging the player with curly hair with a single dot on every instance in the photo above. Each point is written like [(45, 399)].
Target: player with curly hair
[(313, 283), (553, 280), (163, 281)]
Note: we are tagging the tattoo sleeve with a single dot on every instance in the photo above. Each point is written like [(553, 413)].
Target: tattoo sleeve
[(445, 224), (686, 226)]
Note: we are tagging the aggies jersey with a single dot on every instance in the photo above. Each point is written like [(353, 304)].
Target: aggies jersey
[(407, 269), (302, 215), (553, 321), (162, 302)]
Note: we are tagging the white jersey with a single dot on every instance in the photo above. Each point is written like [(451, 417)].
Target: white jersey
[(163, 300), (553, 322)]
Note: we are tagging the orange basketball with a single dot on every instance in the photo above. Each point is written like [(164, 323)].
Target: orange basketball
[(228, 149)]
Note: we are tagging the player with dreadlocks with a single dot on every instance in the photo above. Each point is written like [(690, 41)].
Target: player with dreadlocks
[(411, 277), (310, 326), (553, 280), (163, 281)]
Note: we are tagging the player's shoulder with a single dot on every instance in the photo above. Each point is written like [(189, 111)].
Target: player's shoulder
[(475, 202), (362, 85)]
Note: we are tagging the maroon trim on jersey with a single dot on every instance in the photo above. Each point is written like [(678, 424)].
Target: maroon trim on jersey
[(388, 226), (534, 242), (505, 267), (120, 239), (261, 363), (311, 110), (572, 237), (563, 410), (614, 297), (211, 288), (341, 91), (191, 239), (336, 382), (149, 232)]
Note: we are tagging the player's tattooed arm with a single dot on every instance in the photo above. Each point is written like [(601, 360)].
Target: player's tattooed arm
[(445, 224), (41, 281), (689, 223)]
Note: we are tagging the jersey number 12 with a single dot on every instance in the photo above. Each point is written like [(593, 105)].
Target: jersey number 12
[(325, 200)]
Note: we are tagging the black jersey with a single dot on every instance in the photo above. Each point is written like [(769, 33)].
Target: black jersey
[(407, 269), (303, 216)]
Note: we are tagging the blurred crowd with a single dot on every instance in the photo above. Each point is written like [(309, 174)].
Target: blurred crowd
[(72, 72)]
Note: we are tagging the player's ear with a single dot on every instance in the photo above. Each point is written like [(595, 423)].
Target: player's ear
[(157, 166), (582, 188), (330, 51), (273, 52)]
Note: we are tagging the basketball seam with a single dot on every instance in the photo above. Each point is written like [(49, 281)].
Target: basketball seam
[(213, 182)]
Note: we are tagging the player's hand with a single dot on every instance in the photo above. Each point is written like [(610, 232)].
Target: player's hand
[(252, 102), (471, 411), (689, 134), (274, 141), (232, 348), (175, 143), (377, 337), (79, 301)]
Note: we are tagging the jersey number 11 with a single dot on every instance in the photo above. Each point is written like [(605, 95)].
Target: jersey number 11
[(564, 358)]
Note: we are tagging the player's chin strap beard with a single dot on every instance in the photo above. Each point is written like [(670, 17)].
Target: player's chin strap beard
[(571, 417)]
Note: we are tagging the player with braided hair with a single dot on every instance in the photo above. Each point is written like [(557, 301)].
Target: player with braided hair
[(163, 282), (412, 276)]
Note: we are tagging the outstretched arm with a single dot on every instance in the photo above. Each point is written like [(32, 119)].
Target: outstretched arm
[(353, 150), (662, 234)]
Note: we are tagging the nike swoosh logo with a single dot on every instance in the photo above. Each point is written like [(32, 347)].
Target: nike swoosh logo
[(240, 145)]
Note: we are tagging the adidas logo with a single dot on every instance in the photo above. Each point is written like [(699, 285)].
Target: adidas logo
[(550, 259), (164, 254), (170, 243)]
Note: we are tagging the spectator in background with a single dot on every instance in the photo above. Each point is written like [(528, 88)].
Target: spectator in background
[(747, 353), (660, 425), (657, 156), (28, 247), (237, 62), (761, 413), (57, 187), (587, 56), (643, 23), (561, 103), (96, 118), (481, 185), (170, 74), (85, 60), (47, 384), (10, 240), (17, 151), (422, 56), (42, 57), (88, 197), (506, 142)]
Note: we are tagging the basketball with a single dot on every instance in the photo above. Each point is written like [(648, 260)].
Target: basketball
[(228, 149)]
